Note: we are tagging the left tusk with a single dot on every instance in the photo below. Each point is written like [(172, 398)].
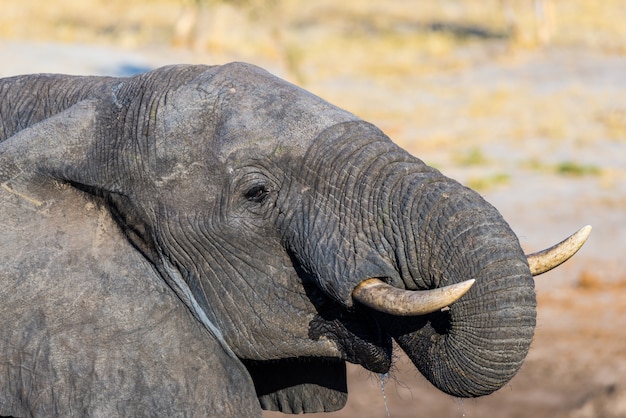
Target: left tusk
[(382, 297), (546, 260)]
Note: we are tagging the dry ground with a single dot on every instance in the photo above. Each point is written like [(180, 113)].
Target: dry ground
[(534, 121)]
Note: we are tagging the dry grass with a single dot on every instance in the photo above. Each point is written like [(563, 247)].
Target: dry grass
[(348, 51), (614, 121), (311, 33)]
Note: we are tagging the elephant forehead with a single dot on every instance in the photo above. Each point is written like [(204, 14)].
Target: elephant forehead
[(259, 110), (239, 108)]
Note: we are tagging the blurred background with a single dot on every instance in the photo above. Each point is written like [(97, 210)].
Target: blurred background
[(522, 100)]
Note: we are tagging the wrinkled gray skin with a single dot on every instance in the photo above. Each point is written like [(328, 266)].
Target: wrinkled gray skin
[(186, 241)]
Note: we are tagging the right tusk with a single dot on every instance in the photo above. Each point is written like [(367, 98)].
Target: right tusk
[(382, 297), (546, 260)]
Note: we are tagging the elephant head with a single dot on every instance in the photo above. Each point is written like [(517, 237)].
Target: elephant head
[(300, 236)]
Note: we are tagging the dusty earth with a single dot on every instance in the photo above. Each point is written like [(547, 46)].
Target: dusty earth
[(542, 135)]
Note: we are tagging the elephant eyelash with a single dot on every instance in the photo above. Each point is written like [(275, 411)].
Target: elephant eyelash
[(257, 193)]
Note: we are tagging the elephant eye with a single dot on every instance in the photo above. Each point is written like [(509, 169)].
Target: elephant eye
[(257, 193)]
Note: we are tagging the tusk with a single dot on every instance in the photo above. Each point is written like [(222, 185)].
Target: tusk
[(546, 260), (382, 297)]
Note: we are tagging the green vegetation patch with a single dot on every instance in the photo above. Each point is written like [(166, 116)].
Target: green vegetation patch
[(473, 157), (485, 183), (566, 168), (572, 168)]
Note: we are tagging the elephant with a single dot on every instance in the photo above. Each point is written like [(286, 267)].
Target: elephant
[(215, 241)]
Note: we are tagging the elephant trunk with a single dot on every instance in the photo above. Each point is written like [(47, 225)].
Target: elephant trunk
[(415, 229), (476, 345)]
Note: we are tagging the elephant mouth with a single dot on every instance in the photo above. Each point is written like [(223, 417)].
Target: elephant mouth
[(357, 332), (364, 335)]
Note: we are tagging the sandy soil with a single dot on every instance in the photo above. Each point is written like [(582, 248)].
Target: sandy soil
[(542, 134)]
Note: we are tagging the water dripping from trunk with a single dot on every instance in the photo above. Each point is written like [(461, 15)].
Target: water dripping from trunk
[(383, 378), (460, 407)]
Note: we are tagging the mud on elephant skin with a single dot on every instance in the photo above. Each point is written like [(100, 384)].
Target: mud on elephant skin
[(213, 240)]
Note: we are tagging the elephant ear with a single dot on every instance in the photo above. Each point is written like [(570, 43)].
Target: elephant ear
[(303, 385), (53, 147)]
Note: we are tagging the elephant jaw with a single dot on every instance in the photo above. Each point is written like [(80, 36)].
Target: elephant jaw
[(382, 297)]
